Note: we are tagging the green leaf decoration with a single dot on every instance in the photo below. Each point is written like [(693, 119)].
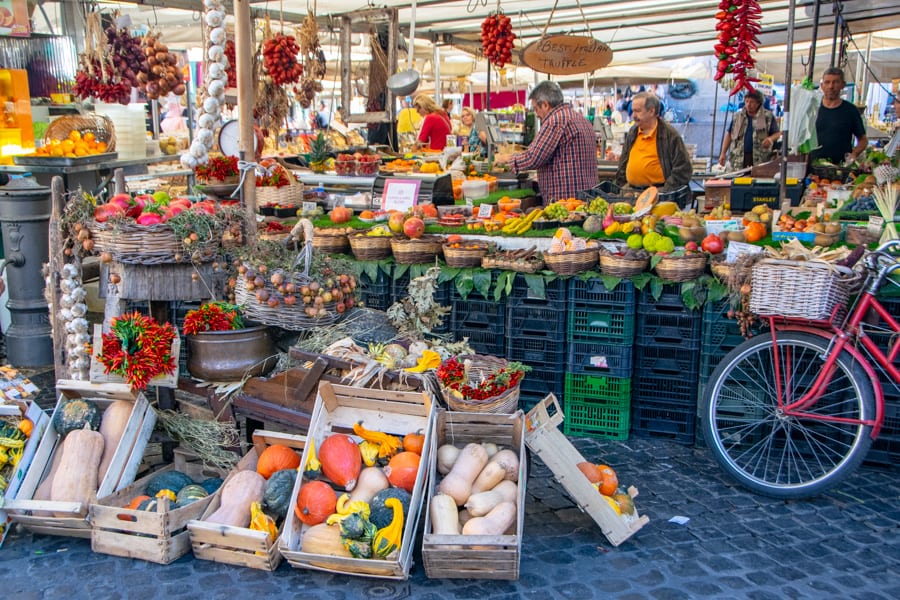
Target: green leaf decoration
[(481, 281), (370, 267), (692, 295), (400, 270), (418, 270), (654, 260), (504, 284), (464, 284), (448, 274), (656, 287), (641, 280), (610, 282), (535, 285)]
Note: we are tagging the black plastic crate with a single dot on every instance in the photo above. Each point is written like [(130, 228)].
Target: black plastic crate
[(537, 352), (745, 197), (670, 330), (678, 391), (591, 358), (592, 292), (662, 361), (400, 290), (663, 420), (536, 320), (555, 292), (609, 324), (479, 314), (483, 341), (375, 294), (542, 381), (669, 301)]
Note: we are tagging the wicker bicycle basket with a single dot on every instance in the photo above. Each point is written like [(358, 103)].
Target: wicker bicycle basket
[(331, 241), (801, 289), (413, 251), (369, 247), (100, 125), (131, 243), (573, 262), (469, 256), (618, 265), (681, 268), (480, 367)]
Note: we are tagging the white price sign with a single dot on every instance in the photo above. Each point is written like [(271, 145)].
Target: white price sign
[(400, 194), (309, 207), (485, 211)]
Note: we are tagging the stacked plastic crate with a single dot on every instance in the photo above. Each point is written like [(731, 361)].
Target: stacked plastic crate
[(375, 292), (480, 319), (666, 367), (885, 450), (599, 336), (399, 289), (535, 329)]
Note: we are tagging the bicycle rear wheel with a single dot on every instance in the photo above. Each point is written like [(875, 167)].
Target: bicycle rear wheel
[(775, 454)]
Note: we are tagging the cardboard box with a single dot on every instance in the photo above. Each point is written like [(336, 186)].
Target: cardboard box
[(337, 409), (34, 514)]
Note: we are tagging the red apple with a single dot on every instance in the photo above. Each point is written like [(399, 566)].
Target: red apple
[(691, 246), (414, 227)]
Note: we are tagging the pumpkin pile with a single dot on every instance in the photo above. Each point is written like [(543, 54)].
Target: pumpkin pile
[(170, 490), (375, 477), (606, 482), (479, 491)]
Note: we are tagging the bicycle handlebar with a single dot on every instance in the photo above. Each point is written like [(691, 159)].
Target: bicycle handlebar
[(881, 260)]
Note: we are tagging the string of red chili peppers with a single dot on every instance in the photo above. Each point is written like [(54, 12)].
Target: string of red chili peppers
[(138, 349), (738, 27)]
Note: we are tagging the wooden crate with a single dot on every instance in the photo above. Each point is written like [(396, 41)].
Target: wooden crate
[(475, 556), (159, 536), (544, 438), (241, 546), (22, 508), (337, 409), (40, 420), (98, 374)]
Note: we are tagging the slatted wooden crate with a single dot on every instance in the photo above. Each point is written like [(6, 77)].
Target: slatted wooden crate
[(337, 409), (544, 438), (40, 420), (160, 535), (241, 546), (476, 556), (71, 518)]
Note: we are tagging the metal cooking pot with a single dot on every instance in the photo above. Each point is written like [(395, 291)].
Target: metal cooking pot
[(404, 83)]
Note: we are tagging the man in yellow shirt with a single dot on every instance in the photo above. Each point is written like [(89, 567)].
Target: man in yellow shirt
[(408, 121), (654, 153)]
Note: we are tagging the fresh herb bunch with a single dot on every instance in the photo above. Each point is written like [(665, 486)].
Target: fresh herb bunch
[(213, 316), (137, 348), (452, 375), (218, 167)]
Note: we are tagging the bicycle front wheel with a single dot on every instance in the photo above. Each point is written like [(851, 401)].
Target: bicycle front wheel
[(779, 455)]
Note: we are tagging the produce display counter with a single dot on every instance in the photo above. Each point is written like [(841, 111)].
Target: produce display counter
[(88, 176)]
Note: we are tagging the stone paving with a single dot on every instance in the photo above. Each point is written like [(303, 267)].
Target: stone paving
[(844, 544)]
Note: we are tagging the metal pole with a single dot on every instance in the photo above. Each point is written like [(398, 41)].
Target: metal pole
[(812, 43), (863, 88), (436, 67), (836, 13), (712, 139), (788, 75), (487, 101)]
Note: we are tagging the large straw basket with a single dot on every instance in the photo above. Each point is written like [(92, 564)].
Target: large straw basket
[(573, 262), (621, 265), (469, 254), (369, 247), (681, 268), (100, 125), (286, 195), (531, 264), (801, 289), (413, 251), (331, 240), (480, 367), (131, 243)]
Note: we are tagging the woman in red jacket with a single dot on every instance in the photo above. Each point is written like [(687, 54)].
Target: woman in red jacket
[(435, 123)]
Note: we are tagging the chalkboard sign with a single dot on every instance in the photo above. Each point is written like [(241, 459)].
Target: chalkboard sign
[(566, 55)]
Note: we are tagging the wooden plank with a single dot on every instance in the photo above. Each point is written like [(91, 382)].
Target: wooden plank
[(145, 548), (164, 282), (271, 412)]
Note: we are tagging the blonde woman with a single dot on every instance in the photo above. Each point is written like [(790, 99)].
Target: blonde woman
[(435, 124)]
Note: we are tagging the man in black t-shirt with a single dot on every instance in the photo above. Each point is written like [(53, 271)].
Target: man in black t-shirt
[(838, 122)]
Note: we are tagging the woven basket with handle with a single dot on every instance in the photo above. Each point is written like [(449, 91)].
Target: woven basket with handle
[(100, 125), (480, 367), (801, 289)]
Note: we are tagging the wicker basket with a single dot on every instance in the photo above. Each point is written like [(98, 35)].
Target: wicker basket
[(465, 257), (286, 195), (528, 265), (571, 263), (131, 243), (100, 125), (291, 318), (408, 251), (481, 367), (622, 266), (331, 242), (801, 289), (681, 268), (369, 247)]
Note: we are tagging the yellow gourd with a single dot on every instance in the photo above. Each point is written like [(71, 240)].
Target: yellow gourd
[(388, 444), (344, 508), (313, 466), (387, 539), (260, 521), (369, 451)]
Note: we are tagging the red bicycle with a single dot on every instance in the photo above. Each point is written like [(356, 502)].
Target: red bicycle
[(792, 412)]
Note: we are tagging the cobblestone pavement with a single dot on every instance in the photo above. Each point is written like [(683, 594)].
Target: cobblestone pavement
[(735, 545)]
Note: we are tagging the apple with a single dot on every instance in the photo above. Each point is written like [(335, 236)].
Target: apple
[(395, 223), (414, 227), (712, 244), (691, 246)]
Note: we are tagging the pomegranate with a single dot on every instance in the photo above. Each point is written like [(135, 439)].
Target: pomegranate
[(395, 223), (414, 227), (712, 244)]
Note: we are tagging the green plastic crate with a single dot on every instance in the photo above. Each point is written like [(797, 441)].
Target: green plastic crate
[(597, 406)]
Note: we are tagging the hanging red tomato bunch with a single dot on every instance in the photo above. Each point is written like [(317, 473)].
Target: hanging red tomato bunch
[(497, 39), (280, 59), (231, 70), (738, 27)]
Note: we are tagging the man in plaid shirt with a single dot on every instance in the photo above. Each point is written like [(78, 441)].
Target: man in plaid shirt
[(564, 151)]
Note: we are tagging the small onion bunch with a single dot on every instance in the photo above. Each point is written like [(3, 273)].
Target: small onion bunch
[(216, 80), (125, 54), (162, 73), (73, 311)]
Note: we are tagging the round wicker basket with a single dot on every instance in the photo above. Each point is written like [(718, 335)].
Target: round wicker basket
[(131, 243), (529, 265), (469, 256), (100, 125), (291, 318), (331, 242), (681, 268), (623, 266), (409, 251), (480, 367), (369, 247), (571, 263)]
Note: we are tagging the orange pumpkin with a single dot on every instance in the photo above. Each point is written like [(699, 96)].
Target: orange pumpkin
[(341, 460), (402, 470), (316, 501), (136, 502), (340, 214), (755, 231), (26, 427), (275, 458), (608, 480), (414, 442)]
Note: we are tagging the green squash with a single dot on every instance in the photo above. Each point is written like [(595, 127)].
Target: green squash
[(75, 413), (211, 484), (381, 515), (356, 527), (167, 480), (189, 494), (149, 504), (277, 497)]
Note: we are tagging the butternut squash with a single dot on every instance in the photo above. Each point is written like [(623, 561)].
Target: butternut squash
[(371, 480), (112, 427), (490, 475), (495, 522), (482, 503), (76, 478), (491, 449), (458, 482), (43, 490), (446, 456), (444, 515), (464, 517), (240, 491), (509, 460), (324, 539)]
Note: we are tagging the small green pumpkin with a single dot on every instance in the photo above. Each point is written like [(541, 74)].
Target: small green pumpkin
[(167, 480), (277, 497), (189, 494), (382, 515), (75, 413), (356, 527)]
